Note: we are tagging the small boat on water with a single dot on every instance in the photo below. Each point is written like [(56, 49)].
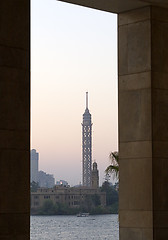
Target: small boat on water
[(82, 215)]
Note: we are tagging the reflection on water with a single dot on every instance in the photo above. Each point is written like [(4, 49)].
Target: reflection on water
[(97, 227)]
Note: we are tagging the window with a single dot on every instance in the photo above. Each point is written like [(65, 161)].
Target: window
[(36, 203), (46, 197)]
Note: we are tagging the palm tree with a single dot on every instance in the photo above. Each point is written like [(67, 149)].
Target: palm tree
[(114, 166)]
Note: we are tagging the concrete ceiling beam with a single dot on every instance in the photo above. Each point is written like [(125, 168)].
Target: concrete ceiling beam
[(117, 6)]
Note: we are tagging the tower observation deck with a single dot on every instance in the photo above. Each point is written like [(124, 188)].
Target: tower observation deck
[(87, 145)]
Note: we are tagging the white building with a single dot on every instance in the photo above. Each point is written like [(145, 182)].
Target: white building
[(62, 182)]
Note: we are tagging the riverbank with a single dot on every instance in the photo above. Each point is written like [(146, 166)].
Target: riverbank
[(61, 209)]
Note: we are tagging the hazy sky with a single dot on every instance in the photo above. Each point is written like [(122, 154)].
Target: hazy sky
[(73, 50)]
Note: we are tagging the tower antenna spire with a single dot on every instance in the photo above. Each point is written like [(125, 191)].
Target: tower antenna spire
[(86, 100)]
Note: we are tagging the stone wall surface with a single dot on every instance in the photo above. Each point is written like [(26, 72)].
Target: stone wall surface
[(160, 121), (143, 123), (14, 119), (143, 118)]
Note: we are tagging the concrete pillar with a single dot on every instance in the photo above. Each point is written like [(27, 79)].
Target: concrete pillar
[(143, 124), (14, 119)]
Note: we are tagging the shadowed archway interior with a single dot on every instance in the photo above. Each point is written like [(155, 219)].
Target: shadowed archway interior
[(143, 118)]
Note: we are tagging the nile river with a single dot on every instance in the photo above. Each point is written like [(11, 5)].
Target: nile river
[(97, 227)]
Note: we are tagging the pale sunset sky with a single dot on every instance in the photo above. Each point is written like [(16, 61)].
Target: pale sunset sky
[(73, 50)]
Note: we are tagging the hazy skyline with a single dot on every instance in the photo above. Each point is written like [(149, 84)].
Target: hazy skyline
[(73, 50)]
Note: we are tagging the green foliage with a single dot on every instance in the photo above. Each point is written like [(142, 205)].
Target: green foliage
[(114, 166), (113, 208), (96, 199), (88, 205), (34, 186), (111, 193), (49, 208), (91, 201)]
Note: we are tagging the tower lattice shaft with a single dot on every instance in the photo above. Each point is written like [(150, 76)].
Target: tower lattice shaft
[(87, 145)]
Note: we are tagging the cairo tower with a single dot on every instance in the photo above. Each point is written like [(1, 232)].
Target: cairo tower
[(87, 145)]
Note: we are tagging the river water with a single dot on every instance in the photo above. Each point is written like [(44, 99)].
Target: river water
[(95, 227)]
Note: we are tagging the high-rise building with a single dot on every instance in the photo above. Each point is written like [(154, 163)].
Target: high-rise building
[(87, 145), (45, 180), (34, 157)]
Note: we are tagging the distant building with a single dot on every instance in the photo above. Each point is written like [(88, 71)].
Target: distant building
[(34, 157), (62, 182), (72, 197), (40, 177), (45, 180), (95, 176)]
